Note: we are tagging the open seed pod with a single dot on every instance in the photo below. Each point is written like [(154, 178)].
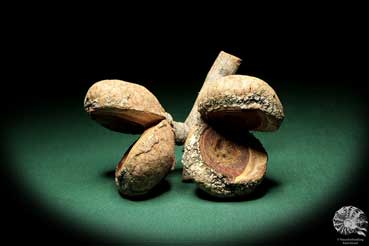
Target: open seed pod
[(222, 164), (241, 102), (147, 161), (122, 106)]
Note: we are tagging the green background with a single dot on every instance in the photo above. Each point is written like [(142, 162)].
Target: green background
[(65, 161)]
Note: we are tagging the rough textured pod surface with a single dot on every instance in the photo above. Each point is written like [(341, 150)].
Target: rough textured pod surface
[(123, 106), (224, 165), (147, 161), (241, 102)]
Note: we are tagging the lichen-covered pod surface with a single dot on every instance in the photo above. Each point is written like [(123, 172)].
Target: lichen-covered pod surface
[(223, 165), (242, 102), (123, 106), (147, 161)]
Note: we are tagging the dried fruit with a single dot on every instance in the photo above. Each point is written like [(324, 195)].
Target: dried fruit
[(224, 164), (219, 153), (241, 102), (225, 64), (123, 106), (147, 162)]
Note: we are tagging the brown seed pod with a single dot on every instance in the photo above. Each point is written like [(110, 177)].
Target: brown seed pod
[(147, 161), (122, 106), (223, 164), (241, 102)]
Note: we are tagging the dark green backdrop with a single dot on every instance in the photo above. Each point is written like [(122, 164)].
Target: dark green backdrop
[(57, 164), (65, 161)]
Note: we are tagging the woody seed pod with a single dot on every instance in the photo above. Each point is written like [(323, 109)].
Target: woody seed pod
[(223, 164), (147, 161), (122, 106), (241, 102)]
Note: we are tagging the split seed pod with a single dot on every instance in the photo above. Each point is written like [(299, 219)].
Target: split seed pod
[(241, 102), (223, 164), (123, 106), (147, 161)]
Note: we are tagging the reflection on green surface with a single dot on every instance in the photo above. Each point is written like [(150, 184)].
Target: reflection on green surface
[(66, 160)]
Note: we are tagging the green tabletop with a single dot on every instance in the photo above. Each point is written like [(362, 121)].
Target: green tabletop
[(66, 161)]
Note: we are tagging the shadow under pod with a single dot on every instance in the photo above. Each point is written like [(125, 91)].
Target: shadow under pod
[(110, 174), (260, 191), (161, 188)]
